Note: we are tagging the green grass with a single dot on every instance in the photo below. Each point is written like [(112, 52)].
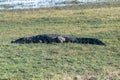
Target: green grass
[(67, 61), (6, 6)]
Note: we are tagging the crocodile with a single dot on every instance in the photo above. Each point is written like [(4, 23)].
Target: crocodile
[(57, 38)]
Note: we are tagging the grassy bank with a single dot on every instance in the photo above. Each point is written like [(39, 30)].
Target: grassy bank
[(66, 61)]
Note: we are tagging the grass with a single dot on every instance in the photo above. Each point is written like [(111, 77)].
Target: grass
[(66, 61), (6, 6)]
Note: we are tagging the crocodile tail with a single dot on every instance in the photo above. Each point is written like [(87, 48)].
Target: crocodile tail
[(89, 41)]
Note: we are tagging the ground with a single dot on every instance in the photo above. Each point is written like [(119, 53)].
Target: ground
[(65, 61)]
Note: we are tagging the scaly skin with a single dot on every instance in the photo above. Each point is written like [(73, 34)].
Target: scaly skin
[(49, 38)]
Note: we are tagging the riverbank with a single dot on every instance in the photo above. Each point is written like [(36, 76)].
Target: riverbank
[(10, 5), (79, 5)]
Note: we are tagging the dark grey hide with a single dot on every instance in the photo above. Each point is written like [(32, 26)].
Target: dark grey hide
[(49, 38)]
